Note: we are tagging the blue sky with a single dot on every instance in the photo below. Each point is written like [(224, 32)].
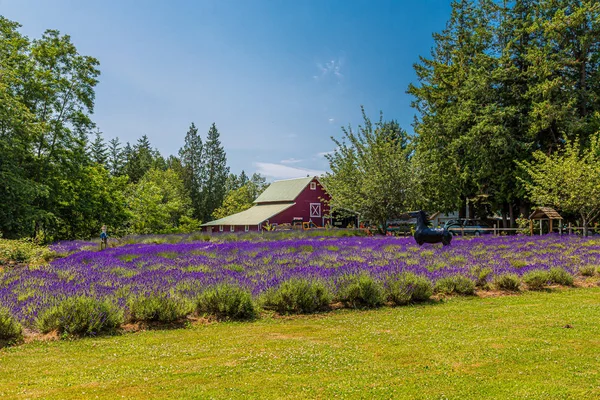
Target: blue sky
[(278, 77)]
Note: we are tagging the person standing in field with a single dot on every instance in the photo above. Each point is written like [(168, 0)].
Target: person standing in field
[(103, 238)]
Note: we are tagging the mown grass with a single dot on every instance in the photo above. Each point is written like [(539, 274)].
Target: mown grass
[(541, 345)]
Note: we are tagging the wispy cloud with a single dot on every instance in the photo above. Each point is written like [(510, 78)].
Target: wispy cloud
[(291, 161), (281, 171), (324, 153), (330, 68), (331, 120)]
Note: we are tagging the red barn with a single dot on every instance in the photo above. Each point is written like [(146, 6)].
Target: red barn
[(286, 201)]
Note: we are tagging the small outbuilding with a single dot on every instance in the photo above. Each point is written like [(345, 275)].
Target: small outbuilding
[(544, 214)]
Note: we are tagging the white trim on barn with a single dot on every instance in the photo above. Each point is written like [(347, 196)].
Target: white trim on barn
[(315, 210)]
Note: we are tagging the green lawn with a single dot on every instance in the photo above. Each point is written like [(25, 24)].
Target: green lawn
[(508, 347)]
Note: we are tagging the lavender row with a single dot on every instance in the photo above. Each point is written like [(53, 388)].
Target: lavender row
[(186, 269)]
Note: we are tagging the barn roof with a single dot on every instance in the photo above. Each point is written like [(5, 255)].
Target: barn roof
[(545, 213), (252, 216), (285, 190)]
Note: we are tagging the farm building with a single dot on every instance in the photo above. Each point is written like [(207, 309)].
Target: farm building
[(283, 202)]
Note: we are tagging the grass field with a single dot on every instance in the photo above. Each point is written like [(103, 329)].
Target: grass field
[(535, 345)]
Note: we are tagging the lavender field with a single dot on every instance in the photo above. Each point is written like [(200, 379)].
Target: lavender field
[(186, 269)]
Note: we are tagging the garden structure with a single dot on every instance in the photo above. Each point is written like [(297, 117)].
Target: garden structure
[(289, 201), (543, 214)]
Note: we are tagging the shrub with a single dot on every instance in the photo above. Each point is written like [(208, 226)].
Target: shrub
[(408, 288), (227, 302), (587, 270), (456, 284), (507, 282), (81, 315), (560, 276), (10, 330), (158, 308), (298, 296), (361, 291), (536, 279), (24, 251), (481, 276)]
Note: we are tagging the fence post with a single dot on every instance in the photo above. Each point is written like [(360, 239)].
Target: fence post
[(570, 228), (530, 227), (495, 225)]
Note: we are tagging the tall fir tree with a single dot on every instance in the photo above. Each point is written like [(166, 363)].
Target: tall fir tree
[(116, 155), (140, 158), (192, 166), (98, 150), (214, 173)]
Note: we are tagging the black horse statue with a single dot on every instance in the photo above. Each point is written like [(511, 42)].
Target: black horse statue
[(425, 234)]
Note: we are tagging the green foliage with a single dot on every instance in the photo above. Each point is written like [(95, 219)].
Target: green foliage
[(502, 81), (587, 270), (408, 288), (361, 291), (568, 180), (10, 330), (227, 301), (188, 225), (192, 166), (536, 279), (158, 202), (456, 284), (214, 173), (23, 251), (510, 282), (371, 171), (242, 198), (158, 308), (481, 276), (298, 296), (560, 276), (236, 201), (81, 315)]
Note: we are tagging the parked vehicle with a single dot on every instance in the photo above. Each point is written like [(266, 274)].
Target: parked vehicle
[(467, 226)]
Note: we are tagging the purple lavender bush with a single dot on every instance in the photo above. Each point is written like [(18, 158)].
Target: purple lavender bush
[(185, 270)]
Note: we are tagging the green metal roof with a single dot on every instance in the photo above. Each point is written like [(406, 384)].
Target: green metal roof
[(252, 216), (286, 190)]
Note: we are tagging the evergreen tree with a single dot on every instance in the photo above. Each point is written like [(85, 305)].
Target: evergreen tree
[(243, 179), (140, 158), (214, 173), (116, 155), (98, 150), (192, 163)]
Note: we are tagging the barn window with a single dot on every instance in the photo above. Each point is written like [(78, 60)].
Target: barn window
[(313, 186), (246, 228), (220, 228), (232, 228)]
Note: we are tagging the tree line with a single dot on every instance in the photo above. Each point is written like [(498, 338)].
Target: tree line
[(510, 89), (57, 183)]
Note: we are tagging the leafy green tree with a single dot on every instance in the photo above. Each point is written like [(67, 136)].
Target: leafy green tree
[(371, 171), (242, 198), (568, 180), (214, 173), (90, 198), (235, 201), (18, 191), (158, 202), (192, 163)]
